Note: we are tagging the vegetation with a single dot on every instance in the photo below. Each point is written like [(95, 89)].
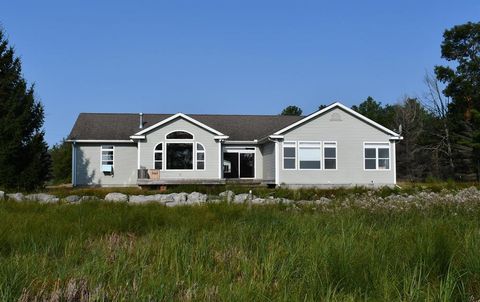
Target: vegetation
[(292, 110), (24, 159), (219, 252), (61, 155)]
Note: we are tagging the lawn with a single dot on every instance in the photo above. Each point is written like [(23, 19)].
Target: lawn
[(222, 252)]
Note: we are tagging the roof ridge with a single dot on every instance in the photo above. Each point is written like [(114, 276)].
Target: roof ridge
[(190, 114)]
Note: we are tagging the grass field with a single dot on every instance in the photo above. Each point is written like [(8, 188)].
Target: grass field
[(219, 252)]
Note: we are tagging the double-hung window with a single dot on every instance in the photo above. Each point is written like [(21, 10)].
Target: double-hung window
[(289, 155), (309, 155), (330, 155), (107, 159), (376, 156)]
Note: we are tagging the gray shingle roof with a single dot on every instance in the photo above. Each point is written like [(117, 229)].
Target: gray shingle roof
[(120, 126)]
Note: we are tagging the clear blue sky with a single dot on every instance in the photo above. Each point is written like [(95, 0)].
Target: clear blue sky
[(245, 57)]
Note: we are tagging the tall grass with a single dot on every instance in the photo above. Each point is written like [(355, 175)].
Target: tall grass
[(219, 252)]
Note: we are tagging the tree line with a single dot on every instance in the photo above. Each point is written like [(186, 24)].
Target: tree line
[(441, 129)]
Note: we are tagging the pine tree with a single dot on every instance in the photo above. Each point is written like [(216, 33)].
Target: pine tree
[(24, 158), (61, 154)]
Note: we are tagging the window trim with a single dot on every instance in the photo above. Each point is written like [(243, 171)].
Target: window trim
[(321, 155), (246, 150), (336, 154), (163, 155), (179, 139), (204, 151), (101, 157), (376, 146), (283, 154)]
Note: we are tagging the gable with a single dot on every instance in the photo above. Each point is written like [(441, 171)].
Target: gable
[(160, 132)]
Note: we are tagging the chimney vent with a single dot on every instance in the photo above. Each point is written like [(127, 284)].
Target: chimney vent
[(141, 120)]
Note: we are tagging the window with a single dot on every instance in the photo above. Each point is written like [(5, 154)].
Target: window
[(309, 155), (107, 159), (179, 156), (200, 157), (179, 135), (377, 156), (330, 155), (289, 155), (158, 157)]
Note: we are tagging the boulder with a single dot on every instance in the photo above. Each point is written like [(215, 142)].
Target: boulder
[(196, 197), (323, 201), (16, 196), (116, 197), (180, 197), (173, 204), (241, 198), (2, 195), (72, 198), (42, 197), (164, 198), (227, 195), (142, 198), (258, 201)]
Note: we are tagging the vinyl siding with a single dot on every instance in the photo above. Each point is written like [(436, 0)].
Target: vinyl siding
[(268, 155), (350, 133), (201, 135), (88, 165)]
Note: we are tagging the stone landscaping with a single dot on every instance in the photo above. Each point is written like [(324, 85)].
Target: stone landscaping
[(367, 200)]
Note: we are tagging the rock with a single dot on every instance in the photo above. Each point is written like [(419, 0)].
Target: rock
[(227, 196), (72, 198), (180, 197), (164, 198), (42, 197), (142, 198), (258, 201), (323, 200), (2, 195), (16, 196), (196, 197), (173, 204), (116, 197), (241, 198), (89, 198)]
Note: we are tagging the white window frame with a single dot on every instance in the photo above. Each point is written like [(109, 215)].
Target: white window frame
[(204, 151), (376, 146), (163, 155), (283, 154), (102, 149), (321, 154), (240, 150), (330, 144), (177, 141)]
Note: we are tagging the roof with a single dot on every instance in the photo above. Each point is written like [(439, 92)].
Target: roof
[(120, 126)]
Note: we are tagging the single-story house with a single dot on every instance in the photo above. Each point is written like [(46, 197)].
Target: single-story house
[(335, 146)]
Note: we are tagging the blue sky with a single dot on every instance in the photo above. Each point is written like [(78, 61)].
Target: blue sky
[(243, 57)]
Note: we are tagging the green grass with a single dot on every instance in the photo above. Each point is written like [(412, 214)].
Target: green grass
[(221, 252)]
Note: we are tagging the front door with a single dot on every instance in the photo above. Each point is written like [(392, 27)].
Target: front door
[(239, 165)]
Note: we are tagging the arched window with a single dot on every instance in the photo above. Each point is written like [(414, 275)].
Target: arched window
[(179, 135), (200, 157), (158, 157)]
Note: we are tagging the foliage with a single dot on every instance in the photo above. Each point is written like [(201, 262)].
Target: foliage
[(375, 111), (292, 110), (24, 159), (61, 155), (117, 252)]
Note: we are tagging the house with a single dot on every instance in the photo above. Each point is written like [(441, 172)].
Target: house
[(335, 146)]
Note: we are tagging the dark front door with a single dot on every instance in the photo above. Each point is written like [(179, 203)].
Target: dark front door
[(230, 165), (238, 165)]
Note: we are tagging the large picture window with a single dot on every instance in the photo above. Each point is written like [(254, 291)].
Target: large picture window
[(289, 155), (377, 156), (179, 156), (309, 155)]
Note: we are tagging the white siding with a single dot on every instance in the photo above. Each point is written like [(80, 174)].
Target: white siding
[(268, 155), (350, 133)]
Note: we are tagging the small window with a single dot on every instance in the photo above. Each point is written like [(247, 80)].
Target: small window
[(158, 157), (107, 159), (309, 155), (330, 155), (289, 156), (200, 157), (179, 135), (377, 156)]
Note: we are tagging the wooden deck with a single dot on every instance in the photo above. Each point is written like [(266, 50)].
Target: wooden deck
[(180, 181)]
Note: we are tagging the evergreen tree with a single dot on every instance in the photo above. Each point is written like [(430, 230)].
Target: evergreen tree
[(61, 154), (24, 158), (461, 45), (292, 110), (376, 112)]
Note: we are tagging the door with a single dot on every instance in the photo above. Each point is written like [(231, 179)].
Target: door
[(239, 165)]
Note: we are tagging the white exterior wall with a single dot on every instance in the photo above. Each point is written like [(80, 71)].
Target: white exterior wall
[(268, 156), (88, 170), (350, 133)]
